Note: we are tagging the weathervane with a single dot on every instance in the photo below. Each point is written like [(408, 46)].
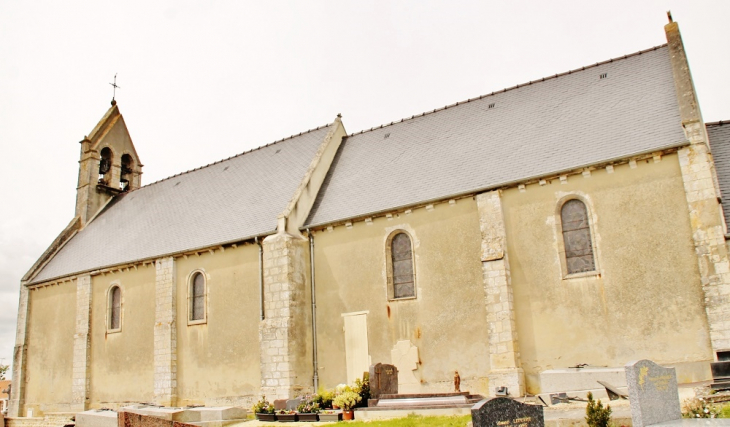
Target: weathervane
[(114, 94)]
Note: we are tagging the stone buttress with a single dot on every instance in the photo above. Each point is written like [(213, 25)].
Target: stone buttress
[(504, 355), (703, 198), (165, 346), (82, 344)]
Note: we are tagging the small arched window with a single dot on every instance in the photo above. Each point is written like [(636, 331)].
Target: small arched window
[(197, 297), (126, 172), (401, 273), (577, 237), (115, 309), (105, 165)]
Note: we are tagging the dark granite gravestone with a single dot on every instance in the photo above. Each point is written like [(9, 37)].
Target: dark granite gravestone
[(383, 380), (652, 393), (505, 412), (720, 370), (720, 375)]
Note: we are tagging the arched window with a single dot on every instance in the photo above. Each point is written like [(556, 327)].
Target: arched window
[(400, 271), (197, 297), (115, 309), (105, 165), (126, 173), (577, 237)]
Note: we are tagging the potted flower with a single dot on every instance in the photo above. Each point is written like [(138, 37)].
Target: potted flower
[(347, 400), (324, 399), (286, 416), (307, 410), (264, 410)]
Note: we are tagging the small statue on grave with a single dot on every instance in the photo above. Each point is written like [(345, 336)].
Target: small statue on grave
[(457, 382)]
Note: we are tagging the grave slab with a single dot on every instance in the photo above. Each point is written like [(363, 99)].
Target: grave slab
[(129, 419), (183, 415), (696, 422), (218, 413), (577, 379), (96, 418)]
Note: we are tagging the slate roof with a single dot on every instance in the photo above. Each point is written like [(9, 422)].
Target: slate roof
[(537, 129), (532, 130), (228, 201), (719, 134)]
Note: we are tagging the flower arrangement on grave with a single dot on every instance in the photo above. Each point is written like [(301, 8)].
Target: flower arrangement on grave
[(362, 387), (308, 406), (263, 407), (347, 400), (699, 408), (324, 398), (286, 412), (341, 388)]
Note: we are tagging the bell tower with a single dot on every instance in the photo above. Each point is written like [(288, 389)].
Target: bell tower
[(108, 165)]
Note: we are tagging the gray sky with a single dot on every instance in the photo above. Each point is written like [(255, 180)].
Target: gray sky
[(201, 81)]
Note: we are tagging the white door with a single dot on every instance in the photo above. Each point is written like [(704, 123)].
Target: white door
[(356, 345)]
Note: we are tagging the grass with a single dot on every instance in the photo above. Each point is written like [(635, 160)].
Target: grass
[(725, 411), (416, 421)]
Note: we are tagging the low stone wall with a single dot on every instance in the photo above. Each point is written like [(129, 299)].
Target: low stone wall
[(48, 420)]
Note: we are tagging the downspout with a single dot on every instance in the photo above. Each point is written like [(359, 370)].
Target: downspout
[(315, 363), (261, 278)]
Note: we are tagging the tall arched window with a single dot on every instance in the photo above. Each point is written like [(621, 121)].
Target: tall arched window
[(401, 273), (197, 297), (115, 309), (577, 237)]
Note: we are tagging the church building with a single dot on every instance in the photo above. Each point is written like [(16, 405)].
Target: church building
[(576, 219)]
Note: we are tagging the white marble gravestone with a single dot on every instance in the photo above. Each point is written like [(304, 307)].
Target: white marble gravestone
[(404, 356)]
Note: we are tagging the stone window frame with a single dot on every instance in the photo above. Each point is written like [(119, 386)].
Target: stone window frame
[(389, 265), (190, 302), (108, 177), (131, 173), (592, 220), (109, 307)]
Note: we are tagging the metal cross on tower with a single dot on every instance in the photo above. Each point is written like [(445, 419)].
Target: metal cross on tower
[(114, 94)]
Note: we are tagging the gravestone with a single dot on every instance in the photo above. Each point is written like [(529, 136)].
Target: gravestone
[(404, 356), (652, 393), (383, 380), (505, 412), (293, 404), (720, 375)]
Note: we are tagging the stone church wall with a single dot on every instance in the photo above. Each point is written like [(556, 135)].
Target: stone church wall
[(218, 360), (121, 368), (447, 319), (647, 301), (50, 348)]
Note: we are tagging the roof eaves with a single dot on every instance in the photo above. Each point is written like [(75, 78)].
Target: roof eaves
[(498, 185), (260, 236)]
